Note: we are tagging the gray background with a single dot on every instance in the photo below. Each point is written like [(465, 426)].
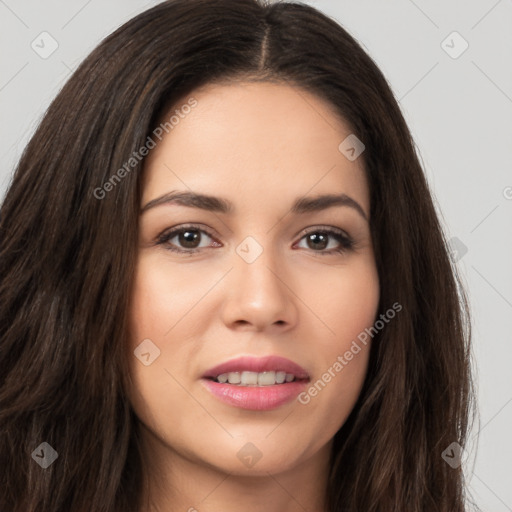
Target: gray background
[(459, 110)]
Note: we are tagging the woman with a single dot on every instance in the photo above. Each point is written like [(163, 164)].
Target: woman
[(264, 368)]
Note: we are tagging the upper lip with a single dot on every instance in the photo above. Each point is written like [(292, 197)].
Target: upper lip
[(258, 364)]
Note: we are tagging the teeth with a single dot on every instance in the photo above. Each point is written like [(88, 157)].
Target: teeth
[(255, 379), (265, 378), (234, 378), (249, 379)]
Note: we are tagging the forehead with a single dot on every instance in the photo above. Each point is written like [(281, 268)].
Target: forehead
[(271, 139)]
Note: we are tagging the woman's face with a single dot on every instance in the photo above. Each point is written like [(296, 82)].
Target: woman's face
[(261, 278)]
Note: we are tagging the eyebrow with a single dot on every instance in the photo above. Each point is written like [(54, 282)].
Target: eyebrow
[(220, 205)]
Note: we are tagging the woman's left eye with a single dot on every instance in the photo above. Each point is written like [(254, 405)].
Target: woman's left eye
[(319, 238)]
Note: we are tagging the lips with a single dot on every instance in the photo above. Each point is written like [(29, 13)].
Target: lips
[(257, 364), (256, 384)]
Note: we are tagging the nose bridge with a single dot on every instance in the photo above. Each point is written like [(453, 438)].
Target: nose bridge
[(259, 293), (257, 263)]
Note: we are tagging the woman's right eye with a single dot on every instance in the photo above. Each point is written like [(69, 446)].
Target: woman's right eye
[(187, 236)]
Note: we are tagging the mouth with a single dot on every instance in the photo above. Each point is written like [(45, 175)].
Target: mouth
[(256, 383)]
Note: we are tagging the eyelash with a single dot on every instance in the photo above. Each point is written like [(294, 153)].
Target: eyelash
[(346, 243)]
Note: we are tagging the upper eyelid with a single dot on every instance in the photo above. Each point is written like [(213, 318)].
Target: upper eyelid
[(192, 227)]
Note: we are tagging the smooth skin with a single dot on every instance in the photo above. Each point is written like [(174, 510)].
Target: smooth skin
[(260, 146)]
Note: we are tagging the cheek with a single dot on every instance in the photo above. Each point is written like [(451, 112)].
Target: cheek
[(159, 299), (347, 300), (349, 305), (150, 319)]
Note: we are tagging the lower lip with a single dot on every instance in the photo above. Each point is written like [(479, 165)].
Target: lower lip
[(255, 398)]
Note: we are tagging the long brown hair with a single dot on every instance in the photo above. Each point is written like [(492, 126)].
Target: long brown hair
[(67, 259)]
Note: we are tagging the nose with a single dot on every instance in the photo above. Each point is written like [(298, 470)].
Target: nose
[(259, 293)]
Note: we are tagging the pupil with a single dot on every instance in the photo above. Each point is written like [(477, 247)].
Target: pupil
[(186, 240), (315, 237)]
